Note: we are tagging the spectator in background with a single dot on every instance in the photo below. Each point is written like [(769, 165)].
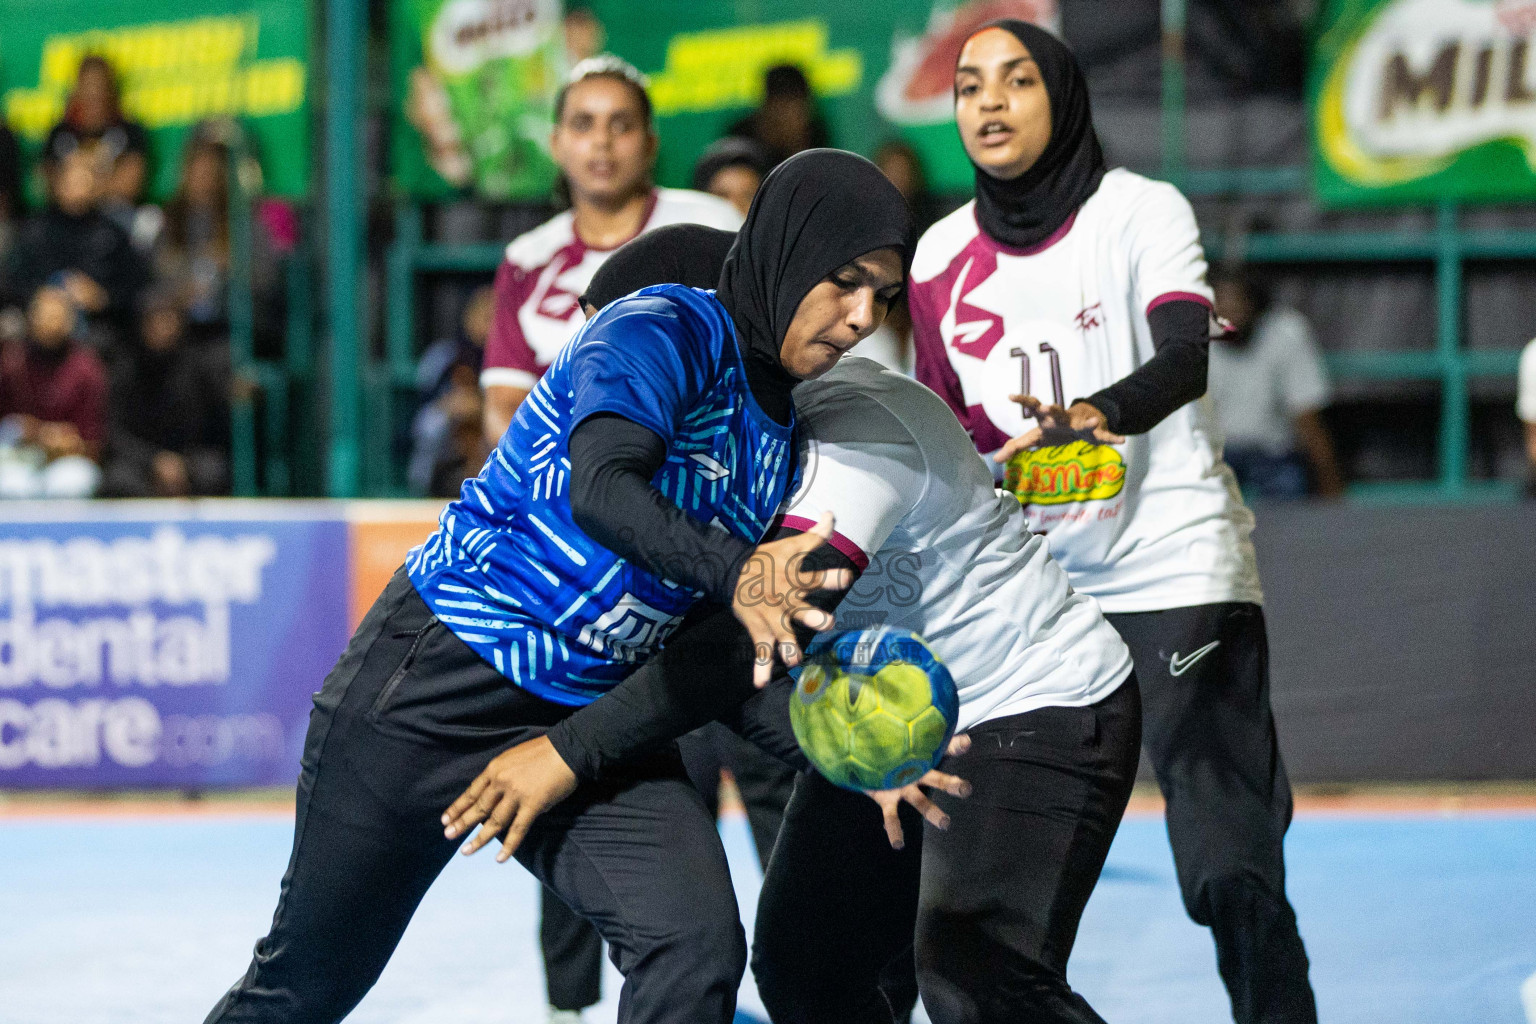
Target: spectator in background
[(787, 121), (604, 142), (891, 344), (74, 241), (1269, 386), (1525, 408), (168, 434), (53, 405), (732, 168), (584, 34), (447, 390), (94, 122), (904, 167), (193, 255)]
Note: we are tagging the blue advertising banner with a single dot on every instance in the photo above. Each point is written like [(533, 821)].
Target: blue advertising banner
[(165, 645)]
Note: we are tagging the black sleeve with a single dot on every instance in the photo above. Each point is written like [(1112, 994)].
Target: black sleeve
[(612, 462), (704, 673), (1173, 377)]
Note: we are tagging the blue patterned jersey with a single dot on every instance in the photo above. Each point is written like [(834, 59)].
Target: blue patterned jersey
[(510, 572)]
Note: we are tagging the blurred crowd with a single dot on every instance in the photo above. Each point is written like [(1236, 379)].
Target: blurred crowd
[(115, 369)]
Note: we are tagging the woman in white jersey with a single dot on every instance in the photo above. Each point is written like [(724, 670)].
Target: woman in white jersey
[(1047, 695), (1062, 280)]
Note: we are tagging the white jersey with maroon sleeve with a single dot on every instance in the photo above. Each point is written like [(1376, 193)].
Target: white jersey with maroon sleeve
[(1151, 524), (539, 284), (943, 553)]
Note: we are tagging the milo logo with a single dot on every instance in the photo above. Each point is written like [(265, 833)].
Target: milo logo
[(1070, 472)]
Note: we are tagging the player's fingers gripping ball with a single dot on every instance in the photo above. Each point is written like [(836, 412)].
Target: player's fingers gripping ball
[(873, 708)]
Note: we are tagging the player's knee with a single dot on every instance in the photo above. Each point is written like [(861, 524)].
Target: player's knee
[(707, 953), (1227, 898), (965, 977)]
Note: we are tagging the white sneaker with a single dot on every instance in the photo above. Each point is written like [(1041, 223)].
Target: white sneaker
[(564, 1016)]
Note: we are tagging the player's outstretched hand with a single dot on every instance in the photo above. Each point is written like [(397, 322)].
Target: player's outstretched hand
[(1081, 418), (516, 787), (772, 595), (890, 799)]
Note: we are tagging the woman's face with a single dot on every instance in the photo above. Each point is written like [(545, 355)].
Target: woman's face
[(1001, 105), (736, 184), (843, 309), (602, 142), (93, 96), (205, 177)]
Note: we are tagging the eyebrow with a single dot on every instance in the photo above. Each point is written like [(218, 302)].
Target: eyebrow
[(864, 276), (969, 69)]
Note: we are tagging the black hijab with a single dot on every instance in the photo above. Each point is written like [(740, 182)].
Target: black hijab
[(1025, 211), (689, 254), (817, 211)]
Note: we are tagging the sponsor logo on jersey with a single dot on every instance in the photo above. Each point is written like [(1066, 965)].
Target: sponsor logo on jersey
[(1064, 473)]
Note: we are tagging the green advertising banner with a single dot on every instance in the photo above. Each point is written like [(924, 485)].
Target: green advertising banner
[(474, 86), (1422, 100), (880, 69), (179, 62)]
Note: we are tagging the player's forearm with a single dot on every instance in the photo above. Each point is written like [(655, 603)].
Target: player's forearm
[(613, 461), (1171, 379), (501, 402), (1314, 441), (763, 720), (704, 673)]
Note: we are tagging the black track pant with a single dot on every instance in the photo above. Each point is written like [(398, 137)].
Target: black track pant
[(1204, 674), (573, 951), (406, 720), (994, 901)]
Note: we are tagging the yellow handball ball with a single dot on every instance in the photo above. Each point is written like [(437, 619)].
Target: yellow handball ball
[(873, 708)]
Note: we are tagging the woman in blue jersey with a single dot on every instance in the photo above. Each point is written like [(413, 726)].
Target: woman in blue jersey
[(638, 478)]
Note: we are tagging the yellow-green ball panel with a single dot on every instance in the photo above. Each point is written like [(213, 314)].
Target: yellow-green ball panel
[(879, 741), (904, 690), (928, 731)]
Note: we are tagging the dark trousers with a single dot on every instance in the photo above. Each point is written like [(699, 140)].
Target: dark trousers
[(764, 782), (1204, 674), (405, 721), (573, 951), (573, 955), (993, 902)]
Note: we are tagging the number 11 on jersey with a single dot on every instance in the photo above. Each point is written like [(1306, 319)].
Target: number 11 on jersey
[(1058, 397)]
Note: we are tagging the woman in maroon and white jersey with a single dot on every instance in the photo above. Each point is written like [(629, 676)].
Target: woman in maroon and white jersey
[(605, 145), (1064, 315)]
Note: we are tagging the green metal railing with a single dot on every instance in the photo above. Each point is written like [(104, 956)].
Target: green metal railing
[(346, 52), (1448, 249)]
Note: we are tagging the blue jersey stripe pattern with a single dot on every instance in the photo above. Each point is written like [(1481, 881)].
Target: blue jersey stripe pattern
[(509, 571)]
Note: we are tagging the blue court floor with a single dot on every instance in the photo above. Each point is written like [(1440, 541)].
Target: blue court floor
[(1408, 919)]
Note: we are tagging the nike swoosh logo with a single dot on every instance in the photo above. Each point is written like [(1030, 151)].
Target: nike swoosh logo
[(1178, 668)]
